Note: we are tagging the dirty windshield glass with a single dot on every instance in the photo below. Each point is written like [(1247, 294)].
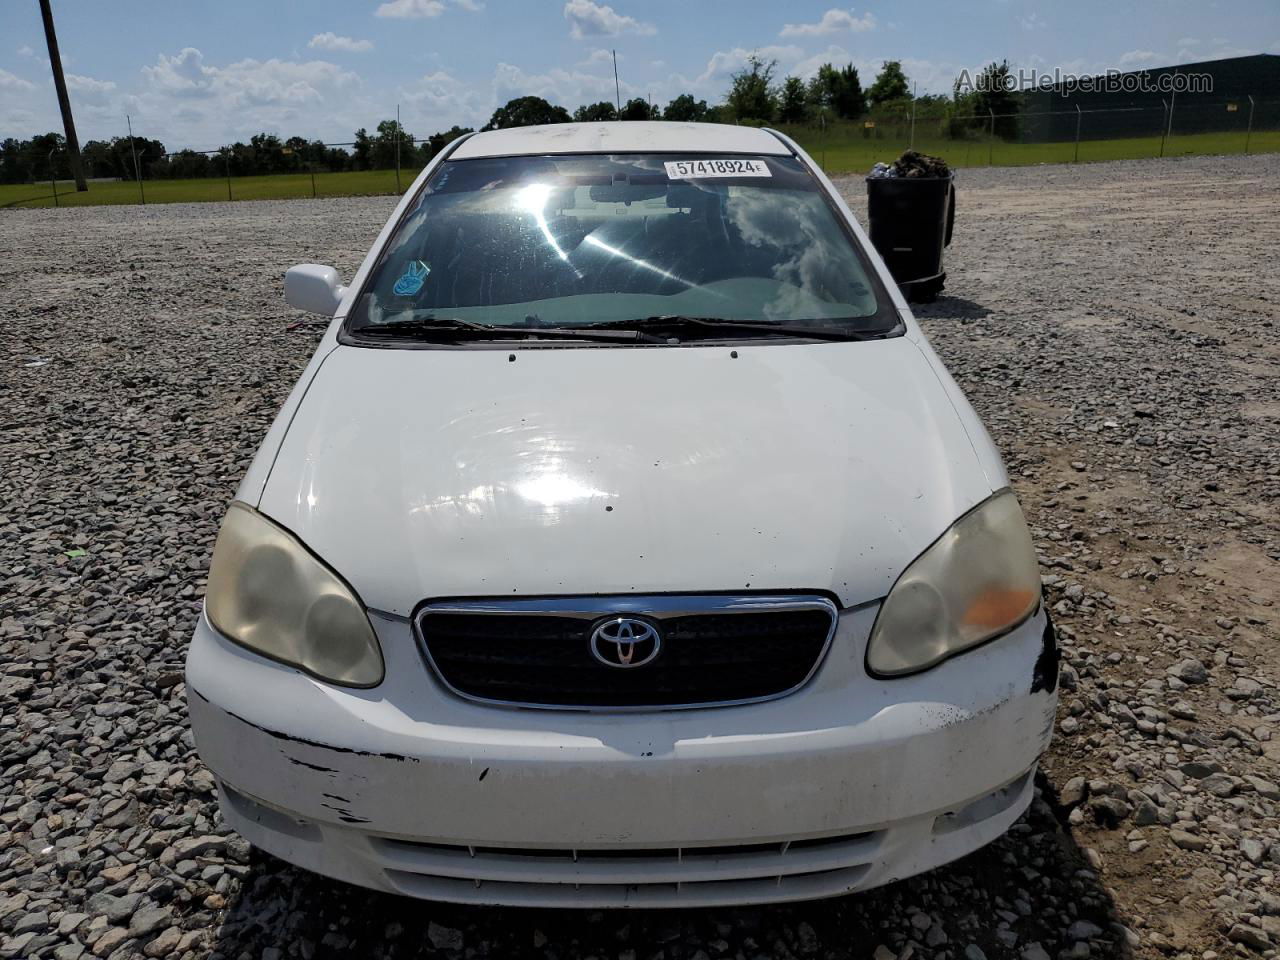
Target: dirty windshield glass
[(577, 241)]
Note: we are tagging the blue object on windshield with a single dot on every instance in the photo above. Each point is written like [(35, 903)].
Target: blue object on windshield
[(411, 281)]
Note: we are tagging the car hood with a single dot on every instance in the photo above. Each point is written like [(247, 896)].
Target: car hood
[(433, 473)]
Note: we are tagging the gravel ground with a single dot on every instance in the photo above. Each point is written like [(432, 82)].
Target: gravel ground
[(1115, 326)]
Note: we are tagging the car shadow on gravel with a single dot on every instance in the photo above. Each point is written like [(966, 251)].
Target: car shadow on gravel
[(951, 308), (1032, 886)]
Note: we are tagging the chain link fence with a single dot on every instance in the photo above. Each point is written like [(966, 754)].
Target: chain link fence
[(230, 174), (267, 168), (1077, 135)]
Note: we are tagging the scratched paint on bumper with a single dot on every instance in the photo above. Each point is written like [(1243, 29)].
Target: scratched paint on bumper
[(407, 761)]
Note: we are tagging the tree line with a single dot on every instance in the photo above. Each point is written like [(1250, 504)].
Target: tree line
[(836, 94), (756, 96), (43, 156)]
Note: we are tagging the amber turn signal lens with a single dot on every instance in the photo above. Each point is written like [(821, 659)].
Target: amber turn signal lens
[(976, 582), (995, 608)]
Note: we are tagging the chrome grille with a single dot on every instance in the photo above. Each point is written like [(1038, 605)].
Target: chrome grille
[(716, 649)]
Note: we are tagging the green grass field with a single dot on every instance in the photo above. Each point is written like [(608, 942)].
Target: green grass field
[(840, 151), (276, 187)]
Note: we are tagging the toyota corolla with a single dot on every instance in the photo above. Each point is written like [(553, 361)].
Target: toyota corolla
[(624, 543)]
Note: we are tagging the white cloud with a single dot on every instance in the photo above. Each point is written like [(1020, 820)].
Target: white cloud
[(88, 85), (1043, 66), (410, 9), (929, 76), (1032, 21), (839, 56), (187, 101), (278, 82), (1189, 50), (568, 88), (589, 19), (422, 9), (26, 51), (1137, 58), (183, 75), (599, 56), (1223, 49), (246, 83), (11, 81), (725, 62), (332, 41), (439, 100), (833, 21)]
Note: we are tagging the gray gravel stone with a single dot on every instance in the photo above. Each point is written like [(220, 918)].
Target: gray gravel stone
[(1251, 937), (1119, 328), (31, 923), (444, 938), (149, 919), (1188, 841), (1190, 671), (114, 908)]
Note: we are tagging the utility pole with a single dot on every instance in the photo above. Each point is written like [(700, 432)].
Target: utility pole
[(1249, 133), (53, 180), (137, 170), (64, 102), (913, 117), (617, 87)]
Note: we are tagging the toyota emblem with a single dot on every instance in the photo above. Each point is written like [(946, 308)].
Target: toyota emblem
[(625, 642)]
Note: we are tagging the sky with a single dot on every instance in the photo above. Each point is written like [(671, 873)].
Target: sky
[(200, 75)]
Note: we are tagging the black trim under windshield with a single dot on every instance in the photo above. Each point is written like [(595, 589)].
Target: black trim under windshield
[(437, 329)]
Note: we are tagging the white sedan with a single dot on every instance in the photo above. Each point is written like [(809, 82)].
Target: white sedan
[(624, 543)]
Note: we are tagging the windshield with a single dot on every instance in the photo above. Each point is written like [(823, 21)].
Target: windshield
[(581, 241)]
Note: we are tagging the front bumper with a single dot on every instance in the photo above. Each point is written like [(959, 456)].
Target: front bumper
[(849, 783)]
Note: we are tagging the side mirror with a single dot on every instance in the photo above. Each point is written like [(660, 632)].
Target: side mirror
[(314, 288)]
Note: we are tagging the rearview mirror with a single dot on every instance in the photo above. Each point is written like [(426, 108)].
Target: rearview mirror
[(314, 288)]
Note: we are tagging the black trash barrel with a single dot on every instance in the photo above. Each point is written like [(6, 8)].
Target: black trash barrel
[(911, 220)]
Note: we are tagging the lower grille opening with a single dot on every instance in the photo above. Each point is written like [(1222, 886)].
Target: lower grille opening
[(629, 876), (807, 886), (776, 847)]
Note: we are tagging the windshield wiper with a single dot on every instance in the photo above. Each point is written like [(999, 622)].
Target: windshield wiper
[(675, 322), (455, 328), (427, 324)]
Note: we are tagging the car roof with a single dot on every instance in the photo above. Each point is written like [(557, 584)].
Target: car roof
[(621, 137)]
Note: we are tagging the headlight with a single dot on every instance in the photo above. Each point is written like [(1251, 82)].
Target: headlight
[(978, 580), (268, 593)]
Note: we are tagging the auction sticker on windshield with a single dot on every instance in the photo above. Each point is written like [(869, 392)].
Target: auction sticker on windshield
[(728, 167)]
